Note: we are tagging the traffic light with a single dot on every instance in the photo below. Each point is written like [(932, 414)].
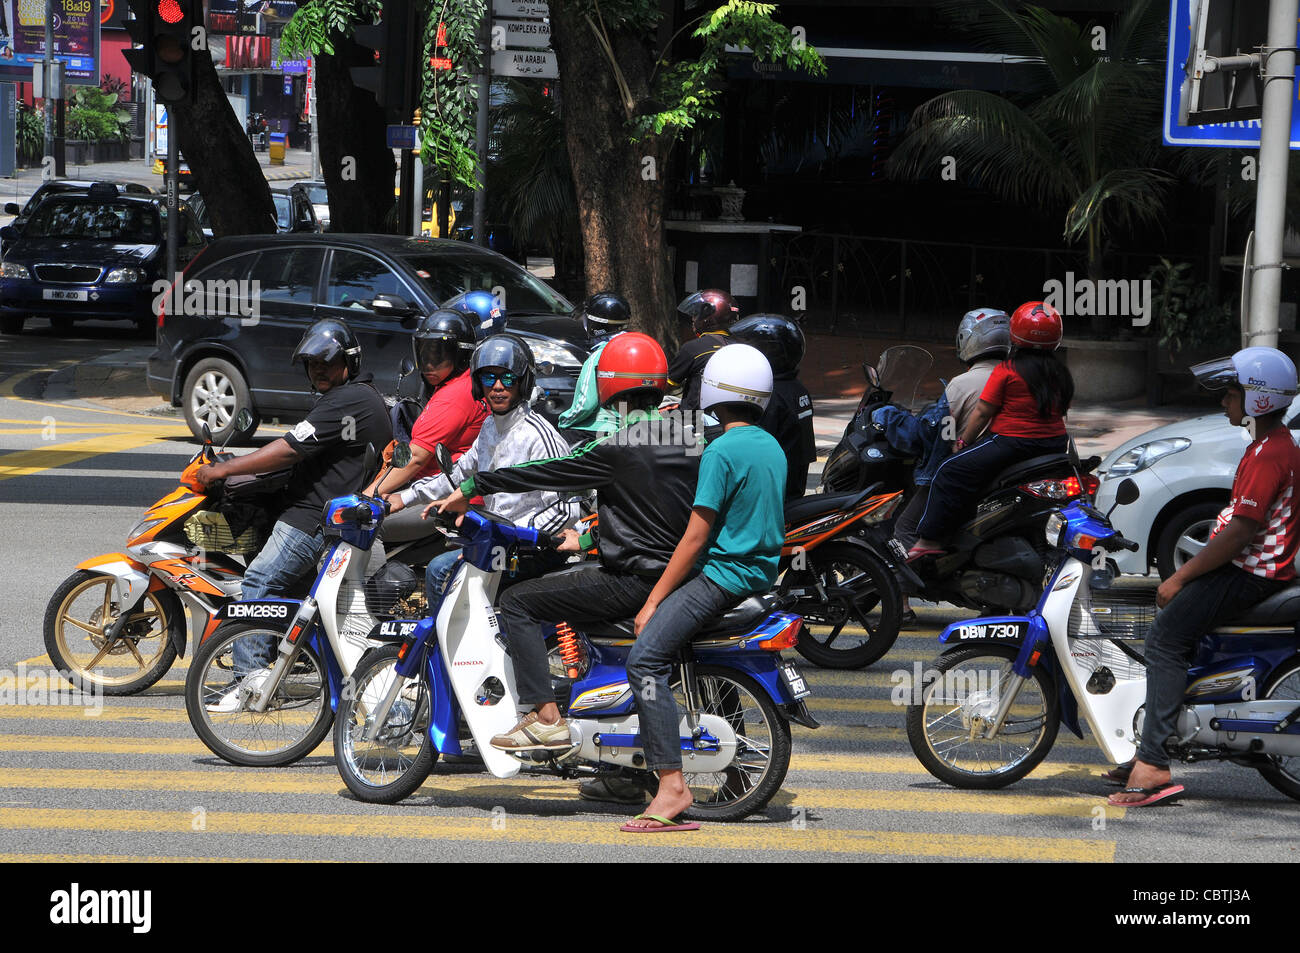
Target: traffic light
[(164, 30), (390, 44)]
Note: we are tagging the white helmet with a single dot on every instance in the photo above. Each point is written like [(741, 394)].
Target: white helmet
[(736, 374), (984, 332), (1266, 375)]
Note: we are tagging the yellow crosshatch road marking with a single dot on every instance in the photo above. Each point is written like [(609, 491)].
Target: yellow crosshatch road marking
[(27, 462), (155, 859), (526, 830)]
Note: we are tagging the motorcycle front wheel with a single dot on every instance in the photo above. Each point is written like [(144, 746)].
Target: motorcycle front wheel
[(959, 696), (1283, 773), (858, 621), (297, 719)]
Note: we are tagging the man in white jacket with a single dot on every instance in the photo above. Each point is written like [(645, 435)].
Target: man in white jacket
[(502, 375)]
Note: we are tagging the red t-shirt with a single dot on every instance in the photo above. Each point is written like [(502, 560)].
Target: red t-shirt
[(1263, 491), (452, 417), (1017, 410)]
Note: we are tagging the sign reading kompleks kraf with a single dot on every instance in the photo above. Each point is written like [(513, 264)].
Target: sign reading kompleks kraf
[(533, 34)]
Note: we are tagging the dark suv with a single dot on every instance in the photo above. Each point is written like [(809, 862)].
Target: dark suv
[(214, 361)]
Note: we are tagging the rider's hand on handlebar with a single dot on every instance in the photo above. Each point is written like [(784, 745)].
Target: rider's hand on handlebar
[(207, 474), (568, 542), (394, 501), (454, 502)]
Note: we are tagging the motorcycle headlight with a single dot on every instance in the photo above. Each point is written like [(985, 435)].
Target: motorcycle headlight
[(553, 354), (123, 276), (14, 270), (1055, 530), (1145, 454), (143, 527)]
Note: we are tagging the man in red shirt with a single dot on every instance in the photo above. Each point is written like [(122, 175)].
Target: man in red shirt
[(1250, 556)]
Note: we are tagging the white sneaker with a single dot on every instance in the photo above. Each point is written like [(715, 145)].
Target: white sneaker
[(234, 696)]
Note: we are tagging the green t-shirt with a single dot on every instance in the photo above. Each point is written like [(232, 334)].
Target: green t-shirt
[(742, 479)]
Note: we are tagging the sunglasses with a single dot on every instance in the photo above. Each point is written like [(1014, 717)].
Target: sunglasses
[(489, 378)]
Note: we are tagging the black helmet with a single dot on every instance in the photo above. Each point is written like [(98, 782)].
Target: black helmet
[(710, 310), (776, 336), (441, 336), (330, 340), (503, 350), (604, 313)]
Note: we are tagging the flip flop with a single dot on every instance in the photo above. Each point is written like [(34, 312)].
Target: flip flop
[(916, 553), (668, 825), (1119, 774), (1156, 795)]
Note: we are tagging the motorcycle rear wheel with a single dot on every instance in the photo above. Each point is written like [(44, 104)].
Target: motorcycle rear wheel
[(142, 654), (1283, 773), (861, 594), (964, 684), (394, 765)]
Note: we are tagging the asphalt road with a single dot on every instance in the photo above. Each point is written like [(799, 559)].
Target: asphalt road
[(133, 782)]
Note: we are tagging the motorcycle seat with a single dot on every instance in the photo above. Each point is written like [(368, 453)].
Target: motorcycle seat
[(808, 508), (1282, 607), (737, 621), (1046, 465)]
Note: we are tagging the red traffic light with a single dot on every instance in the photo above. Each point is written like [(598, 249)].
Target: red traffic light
[(170, 11)]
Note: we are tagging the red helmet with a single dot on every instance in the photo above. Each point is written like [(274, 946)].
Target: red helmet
[(1036, 325), (709, 310), (630, 363)]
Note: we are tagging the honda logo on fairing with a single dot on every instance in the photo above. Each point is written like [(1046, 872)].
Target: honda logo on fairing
[(257, 611)]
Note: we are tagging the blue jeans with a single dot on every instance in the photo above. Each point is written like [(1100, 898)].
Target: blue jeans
[(288, 555), (438, 572), (652, 659), (443, 565)]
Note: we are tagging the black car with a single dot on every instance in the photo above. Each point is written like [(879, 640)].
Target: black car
[(214, 364), (96, 255), (294, 211), (64, 187)]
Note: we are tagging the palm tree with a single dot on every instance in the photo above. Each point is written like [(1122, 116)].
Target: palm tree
[(1084, 138)]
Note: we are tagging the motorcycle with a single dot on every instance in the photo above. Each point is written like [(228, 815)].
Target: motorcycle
[(990, 709), (322, 636), (738, 694), (118, 623)]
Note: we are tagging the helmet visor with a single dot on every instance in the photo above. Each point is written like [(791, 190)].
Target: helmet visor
[(1217, 374), (434, 352)]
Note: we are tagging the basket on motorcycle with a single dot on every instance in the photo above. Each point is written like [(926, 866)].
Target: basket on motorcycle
[(236, 531)]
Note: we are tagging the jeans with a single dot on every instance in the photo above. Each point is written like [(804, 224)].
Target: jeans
[(1204, 603), (585, 593), (531, 565), (650, 664), (288, 555)]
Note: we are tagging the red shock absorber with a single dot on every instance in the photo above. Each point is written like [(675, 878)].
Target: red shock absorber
[(570, 652)]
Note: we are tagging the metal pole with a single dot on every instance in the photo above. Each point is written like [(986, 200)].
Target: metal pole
[(49, 77), (1270, 191), (417, 212), (311, 117), (173, 187), (481, 129)]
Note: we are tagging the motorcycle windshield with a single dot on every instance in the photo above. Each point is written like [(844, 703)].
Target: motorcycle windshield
[(901, 370)]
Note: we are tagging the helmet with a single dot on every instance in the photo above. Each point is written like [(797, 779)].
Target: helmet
[(503, 350), (736, 374), (486, 312), (631, 363), (329, 340), (776, 336), (1266, 375), (1036, 325), (442, 336), (984, 332), (604, 313), (709, 310)]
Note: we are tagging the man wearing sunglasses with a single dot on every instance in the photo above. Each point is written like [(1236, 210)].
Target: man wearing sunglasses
[(502, 376)]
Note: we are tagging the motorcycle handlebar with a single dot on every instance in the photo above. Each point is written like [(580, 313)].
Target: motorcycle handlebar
[(1118, 542)]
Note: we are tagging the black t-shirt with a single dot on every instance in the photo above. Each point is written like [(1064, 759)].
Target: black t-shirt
[(332, 445), (687, 366), (789, 418)]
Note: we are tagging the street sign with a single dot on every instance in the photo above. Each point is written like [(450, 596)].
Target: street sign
[(536, 65), (526, 33), (1244, 134), (520, 8), (402, 137)]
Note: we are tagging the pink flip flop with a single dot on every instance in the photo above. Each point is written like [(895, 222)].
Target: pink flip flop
[(1156, 795)]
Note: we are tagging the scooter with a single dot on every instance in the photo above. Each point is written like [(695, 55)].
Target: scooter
[(738, 694), (989, 710)]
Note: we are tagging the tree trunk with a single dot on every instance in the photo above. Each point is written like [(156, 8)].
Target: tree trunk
[(220, 157), (620, 185)]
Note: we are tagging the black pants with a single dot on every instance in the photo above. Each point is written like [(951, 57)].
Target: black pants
[(962, 479)]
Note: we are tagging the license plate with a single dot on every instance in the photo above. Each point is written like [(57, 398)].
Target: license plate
[(992, 630), (794, 681), (56, 294)]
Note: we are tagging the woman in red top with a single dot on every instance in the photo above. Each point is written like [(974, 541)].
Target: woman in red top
[(1026, 398)]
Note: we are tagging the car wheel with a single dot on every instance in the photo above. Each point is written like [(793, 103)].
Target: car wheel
[(1185, 535), (12, 324), (215, 392)]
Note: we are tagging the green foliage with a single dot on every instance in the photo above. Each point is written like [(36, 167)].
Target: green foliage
[(1186, 314), (530, 185), (31, 133), (91, 116), (449, 99), (308, 31)]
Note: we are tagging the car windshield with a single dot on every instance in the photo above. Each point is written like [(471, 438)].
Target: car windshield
[(95, 221), (449, 275)]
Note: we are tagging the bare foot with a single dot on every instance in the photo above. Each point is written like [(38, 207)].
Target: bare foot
[(1143, 775), (671, 800)]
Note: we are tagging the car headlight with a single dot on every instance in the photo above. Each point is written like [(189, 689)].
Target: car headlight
[(556, 355), (1145, 454), (123, 276), (1054, 530), (14, 270)]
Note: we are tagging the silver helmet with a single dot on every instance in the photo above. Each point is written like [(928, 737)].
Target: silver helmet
[(984, 332)]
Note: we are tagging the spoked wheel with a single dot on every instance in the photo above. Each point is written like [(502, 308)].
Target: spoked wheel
[(77, 621), (296, 720), (762, 751), (959, 700), (858, 621), (1284, 773), (396, 762)]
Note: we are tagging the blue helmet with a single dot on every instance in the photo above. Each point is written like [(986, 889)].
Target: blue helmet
[(486, 313)]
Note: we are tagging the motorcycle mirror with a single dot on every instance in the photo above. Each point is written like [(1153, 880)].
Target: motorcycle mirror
[(243, 424), (368, 466), (408, 366), (207, 434), (443, 456), (1127, 492), (402, 455)]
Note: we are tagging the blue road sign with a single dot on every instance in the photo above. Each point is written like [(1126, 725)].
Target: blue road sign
[(1243, 134), (402, 137)]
